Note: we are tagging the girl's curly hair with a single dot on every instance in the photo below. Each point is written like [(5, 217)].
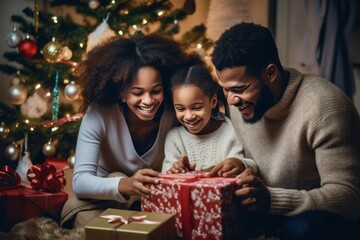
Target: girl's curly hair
[(109, 68)]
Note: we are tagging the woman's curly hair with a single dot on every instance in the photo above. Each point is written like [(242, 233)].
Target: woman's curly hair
[(109, 68)]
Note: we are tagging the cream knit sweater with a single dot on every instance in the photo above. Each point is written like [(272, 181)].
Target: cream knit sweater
[(204, 150), (307, 148)]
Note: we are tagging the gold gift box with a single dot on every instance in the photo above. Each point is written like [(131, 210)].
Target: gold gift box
[(162, 229)]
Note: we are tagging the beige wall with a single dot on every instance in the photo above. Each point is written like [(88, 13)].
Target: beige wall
[(288, 43)]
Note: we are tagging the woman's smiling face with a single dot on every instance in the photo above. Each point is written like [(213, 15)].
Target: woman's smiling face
[(145, 95)]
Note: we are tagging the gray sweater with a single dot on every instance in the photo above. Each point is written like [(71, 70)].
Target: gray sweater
[(104, 146), (307, 148)]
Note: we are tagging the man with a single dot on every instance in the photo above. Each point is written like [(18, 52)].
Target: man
[(301, 130)]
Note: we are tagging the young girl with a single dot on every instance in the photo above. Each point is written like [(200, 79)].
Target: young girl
[(207, 139)]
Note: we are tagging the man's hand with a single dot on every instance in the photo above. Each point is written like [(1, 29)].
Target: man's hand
[(135, 185), (182, 165), (230, 167), (252, 193)]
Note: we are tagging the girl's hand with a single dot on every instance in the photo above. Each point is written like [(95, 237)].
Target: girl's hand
[(182, 165), (252, 193), (135, 185), (230, 167)]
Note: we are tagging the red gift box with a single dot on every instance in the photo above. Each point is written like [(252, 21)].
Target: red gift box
[(58, 163), (204, 208), (20, 203)]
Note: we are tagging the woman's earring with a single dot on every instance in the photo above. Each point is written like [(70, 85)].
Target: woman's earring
[(123, 100)]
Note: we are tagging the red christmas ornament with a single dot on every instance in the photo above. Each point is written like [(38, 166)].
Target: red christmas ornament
[(27, 48)]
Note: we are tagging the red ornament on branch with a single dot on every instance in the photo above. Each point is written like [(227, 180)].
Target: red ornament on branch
[(27, 48)]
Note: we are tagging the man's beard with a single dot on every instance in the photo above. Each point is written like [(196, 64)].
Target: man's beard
[(265, 102)]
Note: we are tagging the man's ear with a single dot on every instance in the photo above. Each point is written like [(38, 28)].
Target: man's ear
[(271, 73)]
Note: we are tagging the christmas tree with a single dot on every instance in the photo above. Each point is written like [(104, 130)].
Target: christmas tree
[(43, 117)]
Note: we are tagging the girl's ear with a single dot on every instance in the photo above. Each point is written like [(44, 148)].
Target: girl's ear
[(214, 101)]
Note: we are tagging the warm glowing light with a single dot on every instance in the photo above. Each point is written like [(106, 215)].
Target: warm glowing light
[(66, 81), (48, 94), (26, 121), (55, 19), (38, 86), (54, 129), (121, 32), (81, 45), (199, 45), (144, 21), (134, 26), (160, 13)]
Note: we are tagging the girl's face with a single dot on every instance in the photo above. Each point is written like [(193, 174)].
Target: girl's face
[(145, 95), (193, 108)]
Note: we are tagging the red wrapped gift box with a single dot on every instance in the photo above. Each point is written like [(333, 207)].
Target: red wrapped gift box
[(58, 163), (20, 203), (204, 208)]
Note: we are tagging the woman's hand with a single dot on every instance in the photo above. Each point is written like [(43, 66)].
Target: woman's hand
[(135, 185), (252, 193), (230, 167), (182, 165)]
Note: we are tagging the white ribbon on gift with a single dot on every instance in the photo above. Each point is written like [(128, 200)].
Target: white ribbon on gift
[(126, 220)]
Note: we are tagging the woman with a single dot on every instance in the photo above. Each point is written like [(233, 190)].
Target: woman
[(127, 116)]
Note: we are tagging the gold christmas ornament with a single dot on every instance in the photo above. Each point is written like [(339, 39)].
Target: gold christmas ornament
[(4, 131), (18, 79), (72, 91), (66, 53), (94, 4), (17, 94), (49, 149), (71, 160), (12, 152), (52, 51)]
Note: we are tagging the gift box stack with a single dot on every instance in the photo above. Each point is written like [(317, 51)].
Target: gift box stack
[(125, 224), (204, 208), (42, 197)]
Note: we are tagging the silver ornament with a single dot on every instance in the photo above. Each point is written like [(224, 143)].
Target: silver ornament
[(12, 152), (49, 149), (71, 160), (94, 4), (4, 131), (17, 94), (66, 53), (13, 39), (72, 91)]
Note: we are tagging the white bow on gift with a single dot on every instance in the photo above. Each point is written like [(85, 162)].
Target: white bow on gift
[(126, 220)]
